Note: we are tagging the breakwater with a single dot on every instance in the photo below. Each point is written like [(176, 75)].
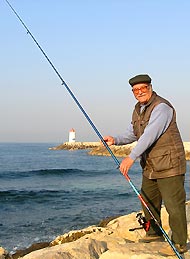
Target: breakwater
[(76, 145), (96, 149)]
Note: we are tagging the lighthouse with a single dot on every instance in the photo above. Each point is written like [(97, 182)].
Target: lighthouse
[(72, 135)]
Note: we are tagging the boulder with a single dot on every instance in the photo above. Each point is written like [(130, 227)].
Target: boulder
[(4, 254), (113, 241)]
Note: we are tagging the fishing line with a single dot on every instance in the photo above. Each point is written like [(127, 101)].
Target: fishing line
[(96, 131)]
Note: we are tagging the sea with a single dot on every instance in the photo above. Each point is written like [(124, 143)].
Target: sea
[(45, 193)]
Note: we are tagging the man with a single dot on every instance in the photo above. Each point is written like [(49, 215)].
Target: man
[(162, 157)]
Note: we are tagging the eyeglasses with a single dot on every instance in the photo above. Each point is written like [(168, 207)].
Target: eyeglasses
[(143, 89)]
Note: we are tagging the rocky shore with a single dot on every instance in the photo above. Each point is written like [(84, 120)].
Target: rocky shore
[(99, 150), (111, 239)]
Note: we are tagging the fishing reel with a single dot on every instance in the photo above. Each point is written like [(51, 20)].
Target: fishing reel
[(144, 224)]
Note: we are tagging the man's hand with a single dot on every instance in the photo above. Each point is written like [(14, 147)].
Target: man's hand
[(126, 165), (109, 140)]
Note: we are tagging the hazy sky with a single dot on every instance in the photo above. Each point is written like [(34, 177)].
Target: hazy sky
[(96, 46)]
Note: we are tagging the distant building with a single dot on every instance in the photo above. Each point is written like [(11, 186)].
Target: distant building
[(72, 135)]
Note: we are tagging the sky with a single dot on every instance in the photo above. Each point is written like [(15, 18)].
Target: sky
[(96, 46)]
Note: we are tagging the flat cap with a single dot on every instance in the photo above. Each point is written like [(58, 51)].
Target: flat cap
[(140, 79)]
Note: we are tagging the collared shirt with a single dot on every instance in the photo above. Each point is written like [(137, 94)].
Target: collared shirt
[(159, 121)]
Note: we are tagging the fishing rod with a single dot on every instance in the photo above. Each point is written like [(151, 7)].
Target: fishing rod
[(96, 131)]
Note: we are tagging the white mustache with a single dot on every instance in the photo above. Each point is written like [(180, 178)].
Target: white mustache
[(141, 95)]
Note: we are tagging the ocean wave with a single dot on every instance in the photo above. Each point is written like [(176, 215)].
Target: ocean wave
[(12, 196), (51, 173), (71, 195), (56, 171), (40, 172)]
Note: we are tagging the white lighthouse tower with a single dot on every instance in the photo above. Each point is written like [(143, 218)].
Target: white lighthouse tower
[(72, 135)]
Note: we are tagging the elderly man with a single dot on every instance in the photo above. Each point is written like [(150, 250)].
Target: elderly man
[(162, 157)]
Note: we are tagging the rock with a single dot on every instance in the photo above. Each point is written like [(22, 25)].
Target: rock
[(124, 150), (4, 254), (187, 150), (76, 145), (103, 223), (82, 248), (118, 151), (32, 248), (140, 251), (114, 241), (74, 235)]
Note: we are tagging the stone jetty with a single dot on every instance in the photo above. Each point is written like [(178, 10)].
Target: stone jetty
[(94, 148), (76, 145)]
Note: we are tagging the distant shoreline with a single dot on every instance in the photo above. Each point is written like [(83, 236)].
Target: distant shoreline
[(98, 150)]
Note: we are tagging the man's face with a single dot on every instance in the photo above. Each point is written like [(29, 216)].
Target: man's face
[(142, 92)]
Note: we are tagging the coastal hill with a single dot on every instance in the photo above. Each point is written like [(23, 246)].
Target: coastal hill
[(94, 148), (115, 238)]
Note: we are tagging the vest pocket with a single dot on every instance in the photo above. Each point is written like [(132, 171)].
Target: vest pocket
[(160, 160)]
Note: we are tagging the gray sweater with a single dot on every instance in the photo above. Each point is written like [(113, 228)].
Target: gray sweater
[(159, 121)]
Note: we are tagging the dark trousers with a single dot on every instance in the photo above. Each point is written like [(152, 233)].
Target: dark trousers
[(171, 191)]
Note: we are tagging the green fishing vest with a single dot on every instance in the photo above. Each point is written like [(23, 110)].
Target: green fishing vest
[(166, 156)]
